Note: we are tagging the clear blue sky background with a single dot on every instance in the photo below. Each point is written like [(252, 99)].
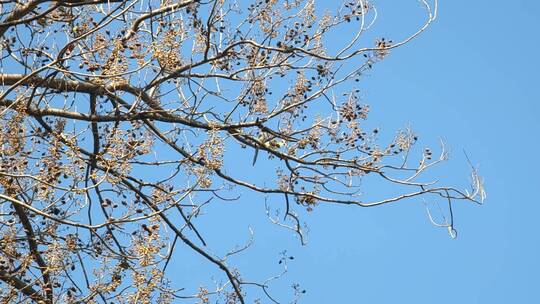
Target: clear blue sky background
[(472, 79)]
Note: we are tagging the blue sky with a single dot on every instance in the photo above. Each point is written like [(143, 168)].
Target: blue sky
[(471, 79)]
